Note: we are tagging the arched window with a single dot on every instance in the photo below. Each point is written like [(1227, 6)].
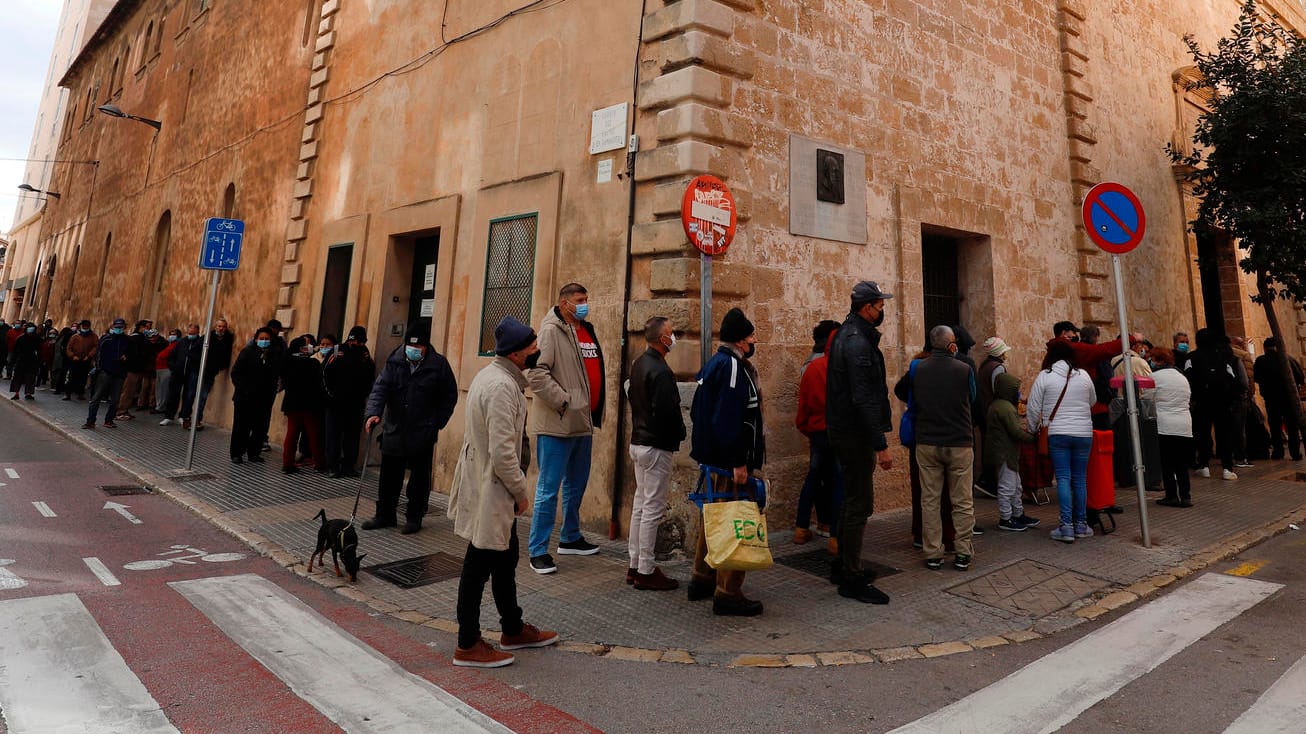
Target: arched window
[(162, 241), (229, 202), (113, 82), (146, 40), (104, 261)]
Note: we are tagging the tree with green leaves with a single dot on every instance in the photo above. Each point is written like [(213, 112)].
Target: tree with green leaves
[(1248, 163)]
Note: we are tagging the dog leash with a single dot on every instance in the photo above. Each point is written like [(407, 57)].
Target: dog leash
[(362, 477)]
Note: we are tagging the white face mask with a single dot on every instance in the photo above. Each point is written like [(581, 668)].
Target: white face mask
[(672, 344)]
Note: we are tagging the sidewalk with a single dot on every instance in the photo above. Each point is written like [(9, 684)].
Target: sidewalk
[(1021, 585)]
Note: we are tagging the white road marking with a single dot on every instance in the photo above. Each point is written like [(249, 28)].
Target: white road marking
[(352, 684), (1053, 690), (44, 509), (8, 579), (1280, 710), (101, 571), (12, 472), (61, 674), (122, 510)]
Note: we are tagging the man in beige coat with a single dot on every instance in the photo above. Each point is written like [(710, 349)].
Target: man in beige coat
[(489, 492)]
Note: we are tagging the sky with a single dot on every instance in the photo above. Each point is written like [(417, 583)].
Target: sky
[(27, 28)]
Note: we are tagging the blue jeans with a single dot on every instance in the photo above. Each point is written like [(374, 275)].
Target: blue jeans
[(1070, 465), (823, 487), (565, 462)]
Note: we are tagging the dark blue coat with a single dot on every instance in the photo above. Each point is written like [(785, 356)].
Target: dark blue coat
[(416, 403), (727, 414), (111, 357)]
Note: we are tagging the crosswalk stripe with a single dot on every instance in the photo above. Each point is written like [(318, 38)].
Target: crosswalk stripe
[(61, 674), (1053, 690), (1280, 710), (352, 684), (101, 571), (11, 472), (44, 509)]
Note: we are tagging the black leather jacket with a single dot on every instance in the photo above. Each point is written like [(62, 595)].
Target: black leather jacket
[(856, 388)]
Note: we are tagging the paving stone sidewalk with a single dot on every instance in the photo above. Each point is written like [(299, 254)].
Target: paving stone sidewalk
[(1021, 585)]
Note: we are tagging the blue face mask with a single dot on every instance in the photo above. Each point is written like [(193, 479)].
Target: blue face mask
[(172, 337), (30, 330), (85, 332), (327, 351), (1182, 348), (263, 343), (583, 311), (192, 336), (116, 330), (414, 354)]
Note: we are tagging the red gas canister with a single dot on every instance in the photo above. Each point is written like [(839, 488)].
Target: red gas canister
[(1101, 480)]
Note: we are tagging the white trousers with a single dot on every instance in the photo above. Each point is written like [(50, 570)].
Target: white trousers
[(652, 485)]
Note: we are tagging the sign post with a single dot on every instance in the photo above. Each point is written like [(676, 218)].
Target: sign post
[(221, 251), (1115, 221), (710, 219)]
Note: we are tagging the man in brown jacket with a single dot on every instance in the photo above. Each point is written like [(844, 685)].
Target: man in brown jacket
[(489, 491), (80, 354)]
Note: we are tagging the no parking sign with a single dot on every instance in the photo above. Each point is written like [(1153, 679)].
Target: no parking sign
[(1114, 218)]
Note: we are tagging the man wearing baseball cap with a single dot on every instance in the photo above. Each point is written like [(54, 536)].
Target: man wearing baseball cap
[(857, 418), (110, 373)]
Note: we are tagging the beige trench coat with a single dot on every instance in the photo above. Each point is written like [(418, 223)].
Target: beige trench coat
[(491, 472)]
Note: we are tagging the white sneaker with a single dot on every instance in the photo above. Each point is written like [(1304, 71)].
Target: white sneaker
[(165, 422), (1204, 472), (1229, 475)]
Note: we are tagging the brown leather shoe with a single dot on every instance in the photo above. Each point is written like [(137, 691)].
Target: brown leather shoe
[(802, 535), (630, 575), (656, 581), (481, 655), (530, 636)]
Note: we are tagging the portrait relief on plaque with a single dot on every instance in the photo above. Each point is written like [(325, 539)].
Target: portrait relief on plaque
[(829, 176)]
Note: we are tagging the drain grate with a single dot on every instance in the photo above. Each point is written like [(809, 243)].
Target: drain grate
[(421, 571), (817, 562), (118, 490)]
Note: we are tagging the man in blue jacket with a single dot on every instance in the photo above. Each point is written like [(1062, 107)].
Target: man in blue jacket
[(110, 373), (417, 393), (857, 418), (727, 417)]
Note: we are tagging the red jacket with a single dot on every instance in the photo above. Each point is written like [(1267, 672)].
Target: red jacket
[(161, 361), (1089, 356), (811, 394)]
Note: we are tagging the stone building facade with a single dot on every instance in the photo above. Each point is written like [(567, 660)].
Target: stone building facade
[(453, 161)]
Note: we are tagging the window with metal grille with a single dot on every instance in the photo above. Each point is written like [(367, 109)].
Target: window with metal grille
[(509, 275), (939, 278)]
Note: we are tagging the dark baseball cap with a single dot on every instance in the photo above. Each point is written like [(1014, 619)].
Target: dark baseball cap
[(868, 291)]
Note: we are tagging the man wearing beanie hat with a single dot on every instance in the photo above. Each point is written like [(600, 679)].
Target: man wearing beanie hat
[(494, 458), (417, 393), (568, 386), (727, 417), (857, 417), (994, 364), (347, 376)]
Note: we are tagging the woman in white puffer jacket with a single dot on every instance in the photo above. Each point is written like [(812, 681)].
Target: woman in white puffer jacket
[(1174, 423), (1062, 399)]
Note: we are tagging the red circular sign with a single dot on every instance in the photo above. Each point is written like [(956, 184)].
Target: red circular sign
[(708, 213), (1114, 218)]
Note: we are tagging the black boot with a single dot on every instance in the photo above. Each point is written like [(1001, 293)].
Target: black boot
[(377, 523), (861, 589)]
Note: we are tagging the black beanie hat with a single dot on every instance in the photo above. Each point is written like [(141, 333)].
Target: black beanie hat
[(511, 336), (418, 334), (735, 326), (358, 334)]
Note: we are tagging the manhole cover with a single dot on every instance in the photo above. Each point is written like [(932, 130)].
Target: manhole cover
[(118, 490), (1030, 588), (817, 563), (413, 572)]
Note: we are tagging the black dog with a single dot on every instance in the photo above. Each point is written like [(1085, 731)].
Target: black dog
[(342, 539)]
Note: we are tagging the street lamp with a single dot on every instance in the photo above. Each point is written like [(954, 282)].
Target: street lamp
[(32, 189), (115, 111)]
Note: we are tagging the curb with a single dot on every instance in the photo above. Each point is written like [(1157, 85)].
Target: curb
[(1083, 610)]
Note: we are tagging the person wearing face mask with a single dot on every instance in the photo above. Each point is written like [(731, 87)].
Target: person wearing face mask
[(301, 376), (416, 392), (857, 417), (253, 390), (489, 492), (568, 384), (163, 375), (347, 374), (110, 373), (823, 487), (184, 365), (657, 429), (139, 363), (221, 344), (81, 357), (1181, 348), (26, 358), (59, 363)]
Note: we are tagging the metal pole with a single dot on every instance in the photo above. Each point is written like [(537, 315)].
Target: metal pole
[(1131, 400), (199, 382), (705, 312)]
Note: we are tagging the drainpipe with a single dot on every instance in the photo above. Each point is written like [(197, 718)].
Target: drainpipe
[(632, 152)]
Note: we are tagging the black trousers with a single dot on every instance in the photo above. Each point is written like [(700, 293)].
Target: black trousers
[(1176, 453), (24, 378), (77, 374), (1221, 420), (500, 569), (858, 461), (249, 426), (418, 465), (343, 426), (1280, 419)]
